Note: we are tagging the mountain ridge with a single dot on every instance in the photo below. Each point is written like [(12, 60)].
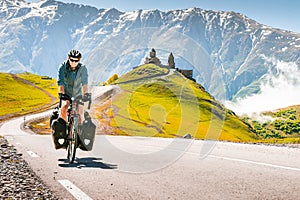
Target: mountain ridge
[(237, 50)]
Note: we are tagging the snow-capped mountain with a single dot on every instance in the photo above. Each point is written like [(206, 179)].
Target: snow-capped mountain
[(231, 54)]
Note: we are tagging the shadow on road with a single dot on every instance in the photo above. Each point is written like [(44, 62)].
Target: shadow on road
[(90, 162)]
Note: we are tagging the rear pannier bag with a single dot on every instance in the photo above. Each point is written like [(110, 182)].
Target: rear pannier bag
[(59, 132), (88, 133)]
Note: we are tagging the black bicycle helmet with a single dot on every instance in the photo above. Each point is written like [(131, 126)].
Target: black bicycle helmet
[(74, 53)]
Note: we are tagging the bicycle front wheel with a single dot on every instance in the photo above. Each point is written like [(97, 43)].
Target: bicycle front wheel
[(72, 145)]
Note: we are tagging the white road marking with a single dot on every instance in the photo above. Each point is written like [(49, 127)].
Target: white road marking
[(75, 191), (32, 154), (256, 163)]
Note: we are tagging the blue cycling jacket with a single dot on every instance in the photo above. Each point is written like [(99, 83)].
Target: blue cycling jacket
[(72, 80)]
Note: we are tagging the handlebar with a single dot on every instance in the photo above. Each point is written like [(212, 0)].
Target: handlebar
[(80, 98)]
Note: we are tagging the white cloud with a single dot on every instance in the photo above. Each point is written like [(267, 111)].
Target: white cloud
[(281, 89)]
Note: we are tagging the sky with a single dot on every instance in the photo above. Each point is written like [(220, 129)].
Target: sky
[(283, 14)]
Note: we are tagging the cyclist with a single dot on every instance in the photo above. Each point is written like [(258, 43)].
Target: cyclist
[(72, 82)]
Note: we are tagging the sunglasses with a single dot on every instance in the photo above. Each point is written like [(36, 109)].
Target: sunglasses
[(72, 60)]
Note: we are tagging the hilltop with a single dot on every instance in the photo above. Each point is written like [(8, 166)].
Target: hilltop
[(161, 102)]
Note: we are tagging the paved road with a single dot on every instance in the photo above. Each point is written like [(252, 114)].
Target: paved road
[(156, 168)]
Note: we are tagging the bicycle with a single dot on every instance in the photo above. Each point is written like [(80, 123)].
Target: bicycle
[(73, 129)]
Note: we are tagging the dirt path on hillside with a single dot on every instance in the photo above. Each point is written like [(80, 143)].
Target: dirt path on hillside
[(38, 109)]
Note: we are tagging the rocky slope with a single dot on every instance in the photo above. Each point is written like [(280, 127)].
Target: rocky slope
[(18, 181)]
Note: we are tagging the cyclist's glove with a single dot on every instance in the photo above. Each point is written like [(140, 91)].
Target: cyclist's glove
[(63, 96), (86, 97)]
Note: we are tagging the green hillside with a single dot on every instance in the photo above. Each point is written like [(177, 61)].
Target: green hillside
[(279, 126), (169, 105), (154, 102), (24, 93)]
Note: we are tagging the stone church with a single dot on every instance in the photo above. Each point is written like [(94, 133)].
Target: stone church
[(153, 59), (171, 64)]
